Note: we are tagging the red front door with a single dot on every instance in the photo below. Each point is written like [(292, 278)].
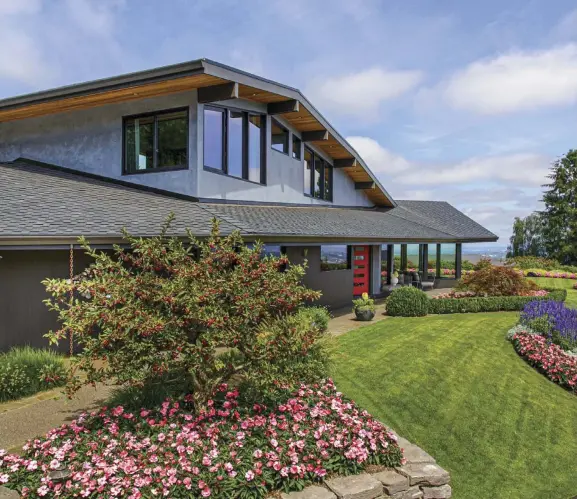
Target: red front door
[(361, 270)]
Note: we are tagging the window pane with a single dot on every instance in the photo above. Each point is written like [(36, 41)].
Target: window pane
[(139, 143), (213, 138), (328, 182), (318, 177), (279, 137), (254, 147), (335, 257), (296, 148), (235, 143), (308, 165), (172, 139)]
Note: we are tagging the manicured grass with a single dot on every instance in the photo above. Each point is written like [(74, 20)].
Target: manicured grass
[(551, 282), (453, 385)]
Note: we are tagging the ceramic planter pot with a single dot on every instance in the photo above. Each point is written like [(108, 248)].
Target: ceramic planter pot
[(394, 281), (364, 315)]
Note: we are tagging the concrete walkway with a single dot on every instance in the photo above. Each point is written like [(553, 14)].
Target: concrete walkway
[(28, 418)]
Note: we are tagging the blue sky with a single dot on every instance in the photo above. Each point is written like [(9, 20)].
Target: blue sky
[(467, 102)]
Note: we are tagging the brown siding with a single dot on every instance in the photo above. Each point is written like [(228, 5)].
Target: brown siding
[(336, 285), (24, 318)]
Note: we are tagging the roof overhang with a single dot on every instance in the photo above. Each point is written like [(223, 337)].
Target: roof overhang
[(204, 74)]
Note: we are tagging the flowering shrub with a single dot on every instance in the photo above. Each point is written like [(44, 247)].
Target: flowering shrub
[(559, 366), (157, 312), (553, 320), (496, 281), (225, 451)]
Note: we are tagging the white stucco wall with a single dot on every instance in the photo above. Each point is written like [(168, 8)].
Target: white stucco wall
[(91, 140)]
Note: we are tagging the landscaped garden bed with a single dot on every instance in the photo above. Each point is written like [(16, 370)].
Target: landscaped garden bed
[(25, 371), (226, 450)]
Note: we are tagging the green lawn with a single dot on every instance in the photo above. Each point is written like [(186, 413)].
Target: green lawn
[(453, 385), (551, 282)]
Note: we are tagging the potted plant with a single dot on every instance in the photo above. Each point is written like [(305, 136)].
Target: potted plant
[(364, 308), (395, 278)]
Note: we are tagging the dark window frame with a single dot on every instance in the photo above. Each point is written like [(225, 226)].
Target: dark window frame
[(225, 110), (300, 149), (155, 114), (288, 132), (349, 259), (325, 165)]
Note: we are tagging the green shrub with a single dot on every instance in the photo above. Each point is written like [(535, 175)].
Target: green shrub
[(407, 301), (533, 262), (489, 303), (490, 280), (319, 316), (161, 309), (26, 370)]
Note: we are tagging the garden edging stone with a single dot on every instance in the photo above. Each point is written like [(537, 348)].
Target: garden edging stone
[(8, 494), (419, 478)]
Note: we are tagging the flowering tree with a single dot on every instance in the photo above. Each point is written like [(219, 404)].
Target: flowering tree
[(164, 311)]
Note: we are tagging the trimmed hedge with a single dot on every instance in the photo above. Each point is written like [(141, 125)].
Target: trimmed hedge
[(490, 303), (407, 301)]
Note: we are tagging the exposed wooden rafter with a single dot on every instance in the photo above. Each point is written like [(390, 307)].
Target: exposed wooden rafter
[(345, 163), (364, 185), (282, 107), (218, 92), (315, 135)]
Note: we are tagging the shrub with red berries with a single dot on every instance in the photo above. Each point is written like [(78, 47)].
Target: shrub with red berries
[(163, 310)]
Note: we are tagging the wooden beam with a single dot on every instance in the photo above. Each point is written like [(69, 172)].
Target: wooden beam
[(218, 92), (315, 135), (364, 185), (285, 106), (345, 163)]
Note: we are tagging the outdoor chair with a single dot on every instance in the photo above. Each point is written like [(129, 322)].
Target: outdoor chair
[(427, 285)]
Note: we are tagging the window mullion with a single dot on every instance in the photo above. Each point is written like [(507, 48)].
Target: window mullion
[(155, 143), (225, 141), (245, 146)]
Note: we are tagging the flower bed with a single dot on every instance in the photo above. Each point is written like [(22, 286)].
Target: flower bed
[(553, 320), (549, 273), (226, 451), (489, 303), (471, 294), (558, 365)]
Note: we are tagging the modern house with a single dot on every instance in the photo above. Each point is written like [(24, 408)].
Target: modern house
[(201, 140)]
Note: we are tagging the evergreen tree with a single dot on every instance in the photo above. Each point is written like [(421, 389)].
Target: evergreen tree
[(560, 215)]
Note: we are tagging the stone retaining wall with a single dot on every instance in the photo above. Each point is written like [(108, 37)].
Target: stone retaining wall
[(419, 478)]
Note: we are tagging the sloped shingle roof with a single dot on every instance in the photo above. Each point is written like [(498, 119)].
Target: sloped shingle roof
[(40, 202)]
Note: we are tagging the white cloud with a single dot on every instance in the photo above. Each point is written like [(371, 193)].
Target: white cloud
[(361, 93), (11, 7), (523, 169), (95, 17), (516, 81), (379, 159)]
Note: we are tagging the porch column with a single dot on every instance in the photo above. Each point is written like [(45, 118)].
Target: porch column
[(438, 265), (458, 259), (376, 269), (403, 257), (390, 262), (425, 260)]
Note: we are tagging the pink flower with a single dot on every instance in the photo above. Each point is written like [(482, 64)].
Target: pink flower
[(249, 475), (205, 492)]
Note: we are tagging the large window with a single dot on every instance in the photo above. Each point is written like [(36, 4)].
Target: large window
[(297, 146), (234, 143), (318, 176), (335, 257), (156, 141), (279, 137)]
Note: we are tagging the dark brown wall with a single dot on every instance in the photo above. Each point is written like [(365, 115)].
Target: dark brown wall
[(335, 285), (24, 318)]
